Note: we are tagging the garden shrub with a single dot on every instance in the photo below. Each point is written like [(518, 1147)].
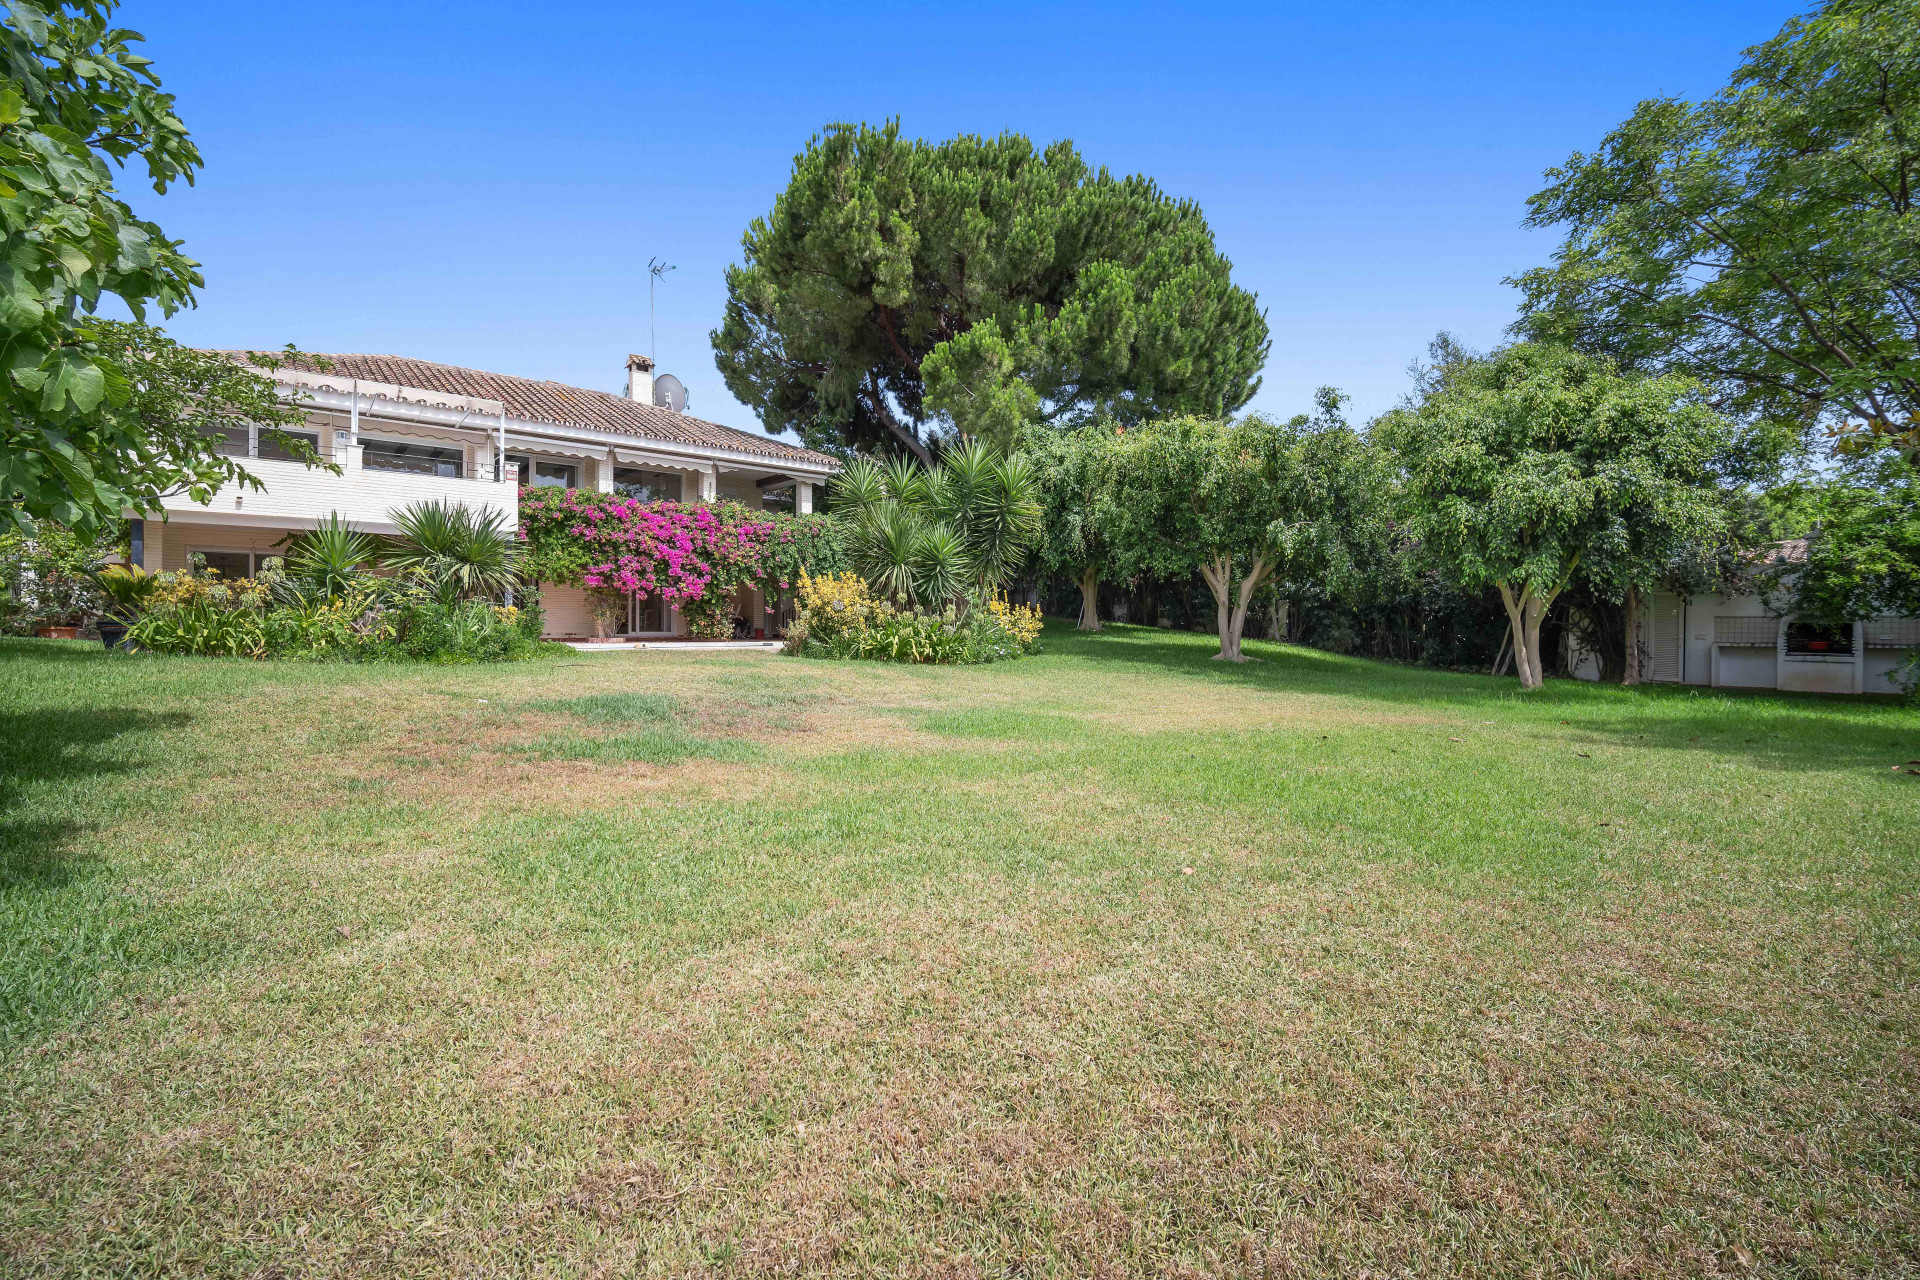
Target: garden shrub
[(840, 617), (709, 616), (369, 618), (47, 576)]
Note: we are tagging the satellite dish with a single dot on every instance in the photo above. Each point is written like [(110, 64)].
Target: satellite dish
[(670, 393)]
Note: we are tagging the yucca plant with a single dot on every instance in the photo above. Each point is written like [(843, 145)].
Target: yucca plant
[(941, 567), (327, 560), (461, 553), (934, 535)]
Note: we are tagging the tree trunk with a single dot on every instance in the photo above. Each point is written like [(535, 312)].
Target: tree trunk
[(1090, 598), (1277, 620), (1248, 585), (1534, 610), (1516, 618), (1230, 612), (1632, 675), (1216, 573)]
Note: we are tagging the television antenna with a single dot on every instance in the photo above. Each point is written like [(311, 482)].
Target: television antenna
[(656, 268)]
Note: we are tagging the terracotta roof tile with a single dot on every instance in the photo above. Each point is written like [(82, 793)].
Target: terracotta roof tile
[(536, 401)]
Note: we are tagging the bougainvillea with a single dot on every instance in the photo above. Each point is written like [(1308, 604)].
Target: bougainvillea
[(679, 552)]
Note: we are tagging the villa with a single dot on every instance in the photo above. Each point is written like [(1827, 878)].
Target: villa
[(403, 431)]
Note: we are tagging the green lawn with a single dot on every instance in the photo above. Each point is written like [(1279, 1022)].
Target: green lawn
[(1110, 962)]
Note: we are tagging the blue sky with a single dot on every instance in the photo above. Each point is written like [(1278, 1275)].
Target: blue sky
[(483, 184)]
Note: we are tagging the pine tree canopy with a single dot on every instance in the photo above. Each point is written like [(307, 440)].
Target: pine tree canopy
[(903, 291)]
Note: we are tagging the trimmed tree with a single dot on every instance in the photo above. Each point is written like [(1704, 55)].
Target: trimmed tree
[(1762, 241), (1238, 503), (900, 288), (1074, 496), (1521, 469)]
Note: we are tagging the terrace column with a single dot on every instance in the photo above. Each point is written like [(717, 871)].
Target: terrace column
[(803, 496), (709, 483), (349, 450), (603, 471)]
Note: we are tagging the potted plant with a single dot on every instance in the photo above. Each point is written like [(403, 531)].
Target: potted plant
[(62, 600), (127, 589), (47, 571)]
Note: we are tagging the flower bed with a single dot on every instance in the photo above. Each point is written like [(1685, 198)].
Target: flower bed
[(841, 617), (372, 619)]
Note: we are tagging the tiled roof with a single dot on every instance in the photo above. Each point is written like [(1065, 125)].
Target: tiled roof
[(1791, 551), (536, 401)]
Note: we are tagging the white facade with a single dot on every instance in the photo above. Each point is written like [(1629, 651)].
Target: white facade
[(1733, 642), (395, 445)]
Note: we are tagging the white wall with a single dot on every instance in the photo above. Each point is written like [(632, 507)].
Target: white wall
[(1748, 668), (298, 498), (1880, 667)]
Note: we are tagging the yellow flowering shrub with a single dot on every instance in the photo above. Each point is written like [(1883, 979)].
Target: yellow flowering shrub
[(1021, 621), (838, 592), (839, 616), (831, 608)]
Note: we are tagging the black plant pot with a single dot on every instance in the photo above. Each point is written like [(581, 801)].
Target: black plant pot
[(112, 632)]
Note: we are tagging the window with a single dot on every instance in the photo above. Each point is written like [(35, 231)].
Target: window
[(1753, 633), (245, 440), (234, 564), (1812, 639), (546, 475), (648, 616), (271, 444), (416, 459), (229, 564), (1893, 633), (235, 441), (647, 486)]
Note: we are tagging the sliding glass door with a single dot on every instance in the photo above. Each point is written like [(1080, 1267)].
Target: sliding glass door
[(648, 617)]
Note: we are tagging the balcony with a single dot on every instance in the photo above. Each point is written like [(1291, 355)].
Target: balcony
[(299, 497)]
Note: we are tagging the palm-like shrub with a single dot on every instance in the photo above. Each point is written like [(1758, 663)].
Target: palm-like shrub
[(327, 561), (462, 553), (933, 536), (127, 589)]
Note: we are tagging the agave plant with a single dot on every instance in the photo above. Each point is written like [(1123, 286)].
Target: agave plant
[(462, 553), (934, 535), (327, 560)]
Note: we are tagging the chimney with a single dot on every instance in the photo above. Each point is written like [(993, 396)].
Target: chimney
[(640, 379)]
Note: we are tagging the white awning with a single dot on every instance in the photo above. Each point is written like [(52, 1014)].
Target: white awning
[(552, 448), (658, 461), (382, 427)]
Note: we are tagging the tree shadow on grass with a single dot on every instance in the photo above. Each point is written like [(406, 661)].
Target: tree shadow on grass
[(1778, 730), (41, 747), (22, 649), (62, 913)]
